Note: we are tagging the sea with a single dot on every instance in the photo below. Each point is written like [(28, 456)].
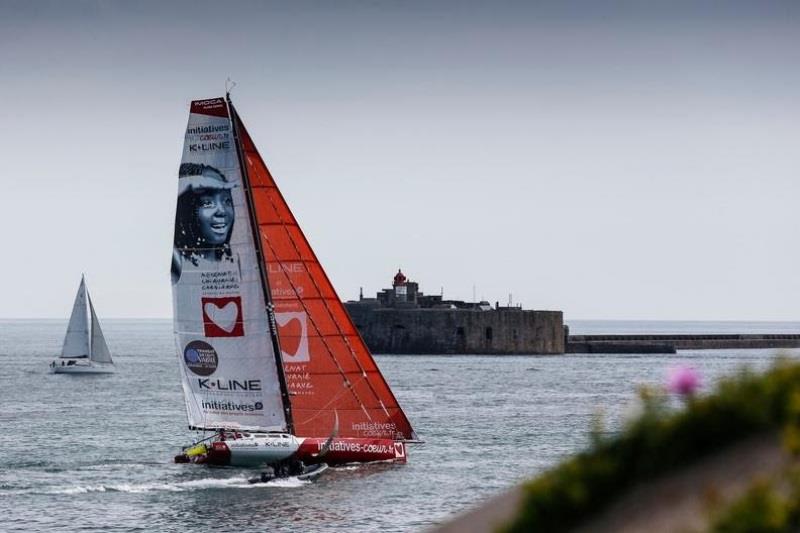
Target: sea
[(94, 453)]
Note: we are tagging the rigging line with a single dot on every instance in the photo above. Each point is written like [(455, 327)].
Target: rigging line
[(310, 317), (316, 286)]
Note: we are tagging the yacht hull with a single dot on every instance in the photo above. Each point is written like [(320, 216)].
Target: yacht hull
[(60, 367), (242, 449), (248, 450)]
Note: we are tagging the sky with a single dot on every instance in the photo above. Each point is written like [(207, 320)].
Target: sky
[(614, 160)]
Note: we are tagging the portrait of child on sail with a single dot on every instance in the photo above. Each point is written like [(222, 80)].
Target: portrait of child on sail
[(204, 217)]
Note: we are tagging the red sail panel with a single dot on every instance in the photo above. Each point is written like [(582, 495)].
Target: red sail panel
[(329, 370)]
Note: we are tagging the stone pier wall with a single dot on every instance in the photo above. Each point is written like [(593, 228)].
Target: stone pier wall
[(459, 331), (666, 343)]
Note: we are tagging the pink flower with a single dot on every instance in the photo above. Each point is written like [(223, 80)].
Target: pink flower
[(683, 380)]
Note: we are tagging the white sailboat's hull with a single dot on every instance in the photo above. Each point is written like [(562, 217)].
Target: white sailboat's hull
[(62, 366)]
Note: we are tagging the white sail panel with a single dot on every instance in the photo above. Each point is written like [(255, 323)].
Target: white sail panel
[(224, 347), (76, 341), (100, 352)]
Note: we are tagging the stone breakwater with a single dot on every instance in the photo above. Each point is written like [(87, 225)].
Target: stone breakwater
[(671, 343), (513, 331)]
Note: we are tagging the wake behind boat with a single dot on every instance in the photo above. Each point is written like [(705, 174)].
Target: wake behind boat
[(270, 360), (85, 350), (301, 473)]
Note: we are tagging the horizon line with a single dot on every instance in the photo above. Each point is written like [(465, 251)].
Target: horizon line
[(65, 319)]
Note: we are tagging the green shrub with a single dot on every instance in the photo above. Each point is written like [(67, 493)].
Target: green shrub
[(761, 510), (658, 442)]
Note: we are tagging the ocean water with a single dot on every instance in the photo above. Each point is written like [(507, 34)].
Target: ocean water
[(94, 453)]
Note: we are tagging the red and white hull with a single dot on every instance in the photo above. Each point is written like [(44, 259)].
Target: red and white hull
[(263, 341), (250, 450)]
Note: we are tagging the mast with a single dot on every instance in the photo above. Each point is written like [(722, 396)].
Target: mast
[(90, 328), (273, 326)]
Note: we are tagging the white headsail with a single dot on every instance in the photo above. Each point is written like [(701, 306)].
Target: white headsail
[(100, 352), (76, 342), (222, 333)]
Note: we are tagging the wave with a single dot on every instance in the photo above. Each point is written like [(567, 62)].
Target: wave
[(54, 467), (179, 486)]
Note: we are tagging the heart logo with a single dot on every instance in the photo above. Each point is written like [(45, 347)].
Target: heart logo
[(222, 317), (225, 316), (293, 334), (290, 335)]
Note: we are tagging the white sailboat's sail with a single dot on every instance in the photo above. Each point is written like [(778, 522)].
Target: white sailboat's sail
[(76, 342), (100, 353), (222, 332)]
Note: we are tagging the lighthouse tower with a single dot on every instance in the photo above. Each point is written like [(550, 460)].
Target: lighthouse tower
[(400, 286)]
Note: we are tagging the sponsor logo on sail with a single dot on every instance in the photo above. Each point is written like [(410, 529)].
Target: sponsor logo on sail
[(232, 407), (201, 358), (222, 317), (293, 333), (289, 268), (209, 146), (229, 385), (375, 429), (214, 107)]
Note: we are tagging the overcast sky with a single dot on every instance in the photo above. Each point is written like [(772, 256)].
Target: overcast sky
[(610, 160)]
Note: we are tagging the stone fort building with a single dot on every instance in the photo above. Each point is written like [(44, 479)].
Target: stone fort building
[(403, 320)]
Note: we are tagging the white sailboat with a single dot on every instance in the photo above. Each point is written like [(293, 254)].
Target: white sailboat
[(85, 350)]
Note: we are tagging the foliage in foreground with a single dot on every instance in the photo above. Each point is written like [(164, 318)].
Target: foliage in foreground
[(761, 509), (769, 506), (658, 442)]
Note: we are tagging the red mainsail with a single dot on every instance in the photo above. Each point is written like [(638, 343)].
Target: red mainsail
[(330, 373)]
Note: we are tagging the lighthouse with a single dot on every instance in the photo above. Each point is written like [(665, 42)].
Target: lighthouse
[(400, 286)]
